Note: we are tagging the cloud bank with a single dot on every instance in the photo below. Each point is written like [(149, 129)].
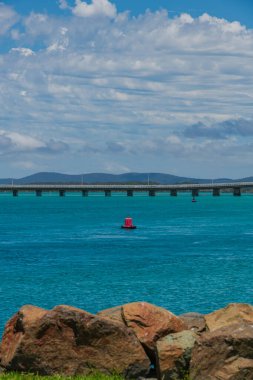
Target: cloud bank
[(140, 93)]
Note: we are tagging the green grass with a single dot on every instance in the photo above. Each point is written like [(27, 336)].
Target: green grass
[(18, 376)]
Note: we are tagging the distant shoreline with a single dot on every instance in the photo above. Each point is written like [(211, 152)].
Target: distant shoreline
[(107, 178)]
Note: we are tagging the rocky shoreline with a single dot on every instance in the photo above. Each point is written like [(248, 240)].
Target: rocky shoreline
[(134, 340)]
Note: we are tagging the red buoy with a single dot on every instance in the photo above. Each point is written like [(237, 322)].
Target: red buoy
[(128, 224)]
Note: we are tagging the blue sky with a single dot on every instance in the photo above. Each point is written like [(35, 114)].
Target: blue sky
[(241, 10), (126, 86)]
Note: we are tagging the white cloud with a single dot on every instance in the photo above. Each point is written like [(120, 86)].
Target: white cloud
[(14, 142), (224, 25), (18, 141), (26, 52), (96, 8), (63, 4), (8, 17), (186, 18), (61, 42), (38, 25)]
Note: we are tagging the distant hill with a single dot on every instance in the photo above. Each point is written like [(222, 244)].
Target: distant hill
[(156, 178)]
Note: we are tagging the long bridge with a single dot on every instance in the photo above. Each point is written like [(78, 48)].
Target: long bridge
[(84, 189)]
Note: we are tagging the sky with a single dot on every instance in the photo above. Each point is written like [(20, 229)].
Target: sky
[(126, 86)]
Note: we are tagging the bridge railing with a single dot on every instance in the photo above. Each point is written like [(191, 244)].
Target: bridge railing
[(116, 187)]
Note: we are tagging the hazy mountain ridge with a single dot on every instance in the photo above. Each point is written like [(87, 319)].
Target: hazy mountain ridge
[(159, 178)]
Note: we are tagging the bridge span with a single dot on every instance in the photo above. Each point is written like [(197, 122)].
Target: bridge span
[(215, 188)]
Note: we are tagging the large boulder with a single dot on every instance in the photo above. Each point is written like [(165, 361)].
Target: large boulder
[(194, 321), (233, 313), (70, 341), (149, 322), (224, 354), (173, 354)]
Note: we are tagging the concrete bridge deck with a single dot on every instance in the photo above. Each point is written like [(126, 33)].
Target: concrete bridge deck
[(235, 187)]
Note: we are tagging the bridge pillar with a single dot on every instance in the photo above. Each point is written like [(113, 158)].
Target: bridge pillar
[(237, 191), (62, 193), (38, 193), (15, 193), (130, 193), (85, 193), (195, 192), (151, 193), (216, 192), (173, 192), (108, 193)]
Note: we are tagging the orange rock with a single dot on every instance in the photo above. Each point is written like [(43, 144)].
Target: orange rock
[(224, 354), (151, 322), (233, 313), (194, 321), (173, 354), (70, 341), (15, 328)]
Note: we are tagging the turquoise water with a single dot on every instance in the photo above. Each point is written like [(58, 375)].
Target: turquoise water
[(184, 256)]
